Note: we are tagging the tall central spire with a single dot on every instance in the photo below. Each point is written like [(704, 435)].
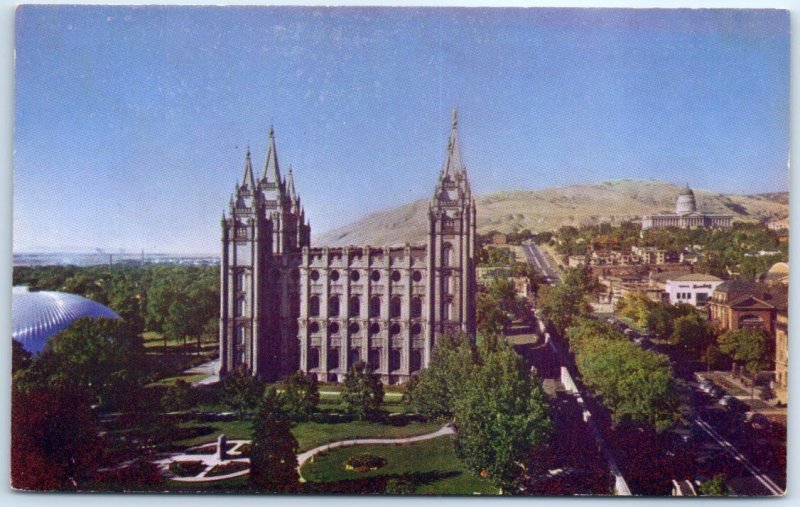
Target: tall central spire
[(452, 161), (271, 171)]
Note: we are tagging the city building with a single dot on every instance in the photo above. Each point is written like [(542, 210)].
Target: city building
[(737, 304), (285, 306), (686, 215), (694, 289)]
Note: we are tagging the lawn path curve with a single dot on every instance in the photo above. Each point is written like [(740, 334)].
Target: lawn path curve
[(447, 429)]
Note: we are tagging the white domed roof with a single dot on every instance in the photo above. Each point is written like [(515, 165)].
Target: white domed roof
[(36, 316)]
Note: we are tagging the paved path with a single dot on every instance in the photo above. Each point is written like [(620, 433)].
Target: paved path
[(210, 368), (447, 429), (209, 461)]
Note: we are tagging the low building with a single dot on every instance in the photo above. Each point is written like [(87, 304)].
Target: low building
[(499, 238), (737, 304), (694, 289), (781, 384)]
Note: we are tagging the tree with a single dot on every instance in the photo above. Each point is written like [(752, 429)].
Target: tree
[(660, 321), (748, 348), (363, 392), (712, 356), (241, 391), (102, 356), (438, 386), (715, 486), (178, 396), (490, 316), (300, 396), (496, 432), (273, 453), (692, 333), (564, 303), (54, 440), (20, 358)]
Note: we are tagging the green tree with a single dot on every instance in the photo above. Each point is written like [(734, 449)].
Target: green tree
[(660, 321), (692, 333), (241, 391), (273, 453), (748, 348), (178, 396), (54, 438), (564, 303), (712, 356), (20, 358), (102, 356), (363, 392), (495, 433), (490, 316), (439, 385), (715, 486), (300, 396)]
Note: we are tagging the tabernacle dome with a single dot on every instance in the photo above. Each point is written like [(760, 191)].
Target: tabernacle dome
[(36, 316)]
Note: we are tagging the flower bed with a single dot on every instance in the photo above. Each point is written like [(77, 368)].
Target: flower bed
[(228, 468), (186, 468), (364, 462)]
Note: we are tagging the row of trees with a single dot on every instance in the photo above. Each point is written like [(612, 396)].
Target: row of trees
[(499, 409), (635, 384)]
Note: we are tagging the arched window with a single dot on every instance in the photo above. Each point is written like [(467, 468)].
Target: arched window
[(416, 307), (333, 306), (333, 358), (394, 329), (241, 307), (447, 284), (313, 306), (239, 335), (354, 357), (354, 328), (416, 360), (240, 281), (375, 306), (446, 310), (374, 329), (394, 359), (416, 329), (374, 359), (333, 328), (313, 358), (395, 307), (447, 254), (355, 306)]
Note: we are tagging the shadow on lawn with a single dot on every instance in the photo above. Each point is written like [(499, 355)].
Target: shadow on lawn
[(374, 485)]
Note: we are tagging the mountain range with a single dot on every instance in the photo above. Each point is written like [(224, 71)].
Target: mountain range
[(547, 209)]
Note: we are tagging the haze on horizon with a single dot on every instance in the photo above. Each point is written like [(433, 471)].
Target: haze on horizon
[(132, 122)]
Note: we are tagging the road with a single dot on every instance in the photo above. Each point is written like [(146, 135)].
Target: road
[(541, 262)]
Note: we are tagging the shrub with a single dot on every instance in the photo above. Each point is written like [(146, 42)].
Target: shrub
[(228, 468), (400, 486), (364, 462)]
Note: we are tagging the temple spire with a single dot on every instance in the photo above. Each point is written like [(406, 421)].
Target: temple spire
[(452, 162), (248, 179), (290, 186), (271, 171)]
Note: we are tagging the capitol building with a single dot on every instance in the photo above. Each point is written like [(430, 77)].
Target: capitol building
[(686, 215)]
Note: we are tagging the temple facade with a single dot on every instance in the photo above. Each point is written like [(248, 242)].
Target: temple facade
[(288, 306)]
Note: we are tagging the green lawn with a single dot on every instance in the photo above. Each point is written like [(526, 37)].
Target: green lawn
[(168, 381), (308, 434), (432, 465)]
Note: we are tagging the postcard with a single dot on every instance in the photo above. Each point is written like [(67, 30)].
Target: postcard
[(400, 251)]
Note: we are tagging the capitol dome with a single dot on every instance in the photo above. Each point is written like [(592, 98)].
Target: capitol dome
[(36, 316), (686, 202)]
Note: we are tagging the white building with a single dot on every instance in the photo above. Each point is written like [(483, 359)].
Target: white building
[(693, 288)]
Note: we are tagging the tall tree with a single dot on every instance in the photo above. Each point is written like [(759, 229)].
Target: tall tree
[(20, 358), (54, 439), (300, 395), (748, 348), (495, 432), (363, 392), (273, 453), (439, 385), (241, 391)]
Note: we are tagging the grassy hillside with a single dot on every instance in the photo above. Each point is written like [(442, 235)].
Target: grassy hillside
[(547, 209)]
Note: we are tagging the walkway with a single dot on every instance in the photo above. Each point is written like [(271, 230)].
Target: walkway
[(447, 429), (210, 368)]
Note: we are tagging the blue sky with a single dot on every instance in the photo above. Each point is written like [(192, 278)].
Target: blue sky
[(132, 123)]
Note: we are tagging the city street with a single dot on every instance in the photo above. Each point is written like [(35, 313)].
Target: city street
[(541, 262)]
